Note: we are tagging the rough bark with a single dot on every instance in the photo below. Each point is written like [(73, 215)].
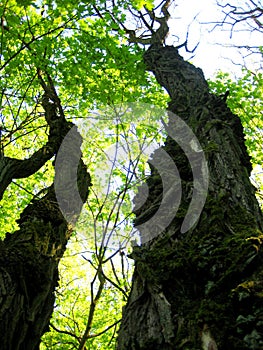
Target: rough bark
[(29, 257), (201, 289)]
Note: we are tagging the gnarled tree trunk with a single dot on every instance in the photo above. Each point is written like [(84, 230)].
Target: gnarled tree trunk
[(29, 257), (201, 289), (29, 261)]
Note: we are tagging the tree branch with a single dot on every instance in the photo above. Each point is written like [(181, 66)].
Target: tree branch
[(12, 168)]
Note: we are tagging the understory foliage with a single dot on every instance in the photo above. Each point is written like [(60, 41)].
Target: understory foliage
[(245, 100), (97, 73)]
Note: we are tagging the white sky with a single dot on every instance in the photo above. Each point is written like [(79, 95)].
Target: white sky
[(209, 55)]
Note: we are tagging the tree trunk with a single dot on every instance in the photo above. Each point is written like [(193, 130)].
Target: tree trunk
[(29, 261), (203, 288)]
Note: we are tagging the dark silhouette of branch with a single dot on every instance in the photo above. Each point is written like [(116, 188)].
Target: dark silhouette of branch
[(251, 15), (148, 20), (62, 331)]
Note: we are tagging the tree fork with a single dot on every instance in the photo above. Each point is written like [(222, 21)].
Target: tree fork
[(202, 289)]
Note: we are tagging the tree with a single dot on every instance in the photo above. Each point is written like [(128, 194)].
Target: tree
[(203, 287), (30, 256)]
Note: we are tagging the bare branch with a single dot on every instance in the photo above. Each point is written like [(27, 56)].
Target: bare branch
[(234, 15), (105, 330), (62, 331)]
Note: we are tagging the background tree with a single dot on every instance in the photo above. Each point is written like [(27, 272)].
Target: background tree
[(85, 314), (30, 256)]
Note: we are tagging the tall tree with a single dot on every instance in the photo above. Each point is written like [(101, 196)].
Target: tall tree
[(201, 288), (30, 256)]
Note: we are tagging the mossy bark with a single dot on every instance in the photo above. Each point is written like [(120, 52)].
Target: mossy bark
[(29, 261), (202, 289)]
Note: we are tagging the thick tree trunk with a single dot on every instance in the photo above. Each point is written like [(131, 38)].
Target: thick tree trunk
[(29, 261), (202, 289)]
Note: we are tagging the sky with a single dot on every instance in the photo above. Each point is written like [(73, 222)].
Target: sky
[(211, 55)]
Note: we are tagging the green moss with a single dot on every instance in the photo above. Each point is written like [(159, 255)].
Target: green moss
[(211, 271)]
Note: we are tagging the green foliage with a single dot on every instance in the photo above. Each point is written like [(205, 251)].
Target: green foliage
[(116, 163), (73, 302), (19, 194), (138, 4), (245, 99), (97, 74), (91, 66)]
